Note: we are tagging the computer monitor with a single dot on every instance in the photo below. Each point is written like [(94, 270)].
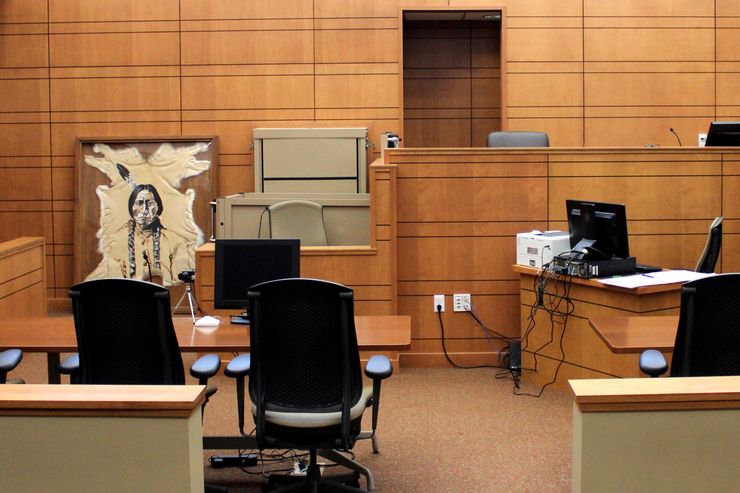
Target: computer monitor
[(598, 229), (242, 263), (723, 134)]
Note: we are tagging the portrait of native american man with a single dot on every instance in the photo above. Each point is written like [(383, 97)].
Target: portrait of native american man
[(147, 227)]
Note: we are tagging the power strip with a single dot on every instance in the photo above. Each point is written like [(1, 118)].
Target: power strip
[(219, 461)]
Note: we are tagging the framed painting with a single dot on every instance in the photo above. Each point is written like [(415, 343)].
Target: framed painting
[(142, 206)]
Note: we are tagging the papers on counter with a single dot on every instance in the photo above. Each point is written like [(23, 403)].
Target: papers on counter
[(654, 278)]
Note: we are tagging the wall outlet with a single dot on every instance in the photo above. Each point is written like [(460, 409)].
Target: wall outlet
[(461, 302), (439, 300)]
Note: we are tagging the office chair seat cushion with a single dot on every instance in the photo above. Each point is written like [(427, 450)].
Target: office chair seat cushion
[(9, 359), (653, 363), (317, 419)]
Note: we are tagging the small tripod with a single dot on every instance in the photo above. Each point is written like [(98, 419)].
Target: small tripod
[(188, 277)]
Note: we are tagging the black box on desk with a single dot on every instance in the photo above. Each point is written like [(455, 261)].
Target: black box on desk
[(597, 268)]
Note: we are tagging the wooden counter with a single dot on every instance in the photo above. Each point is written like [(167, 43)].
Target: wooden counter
[(656, 434), (112, 438)]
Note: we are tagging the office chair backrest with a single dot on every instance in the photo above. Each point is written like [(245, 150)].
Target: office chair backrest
[(300, 219), (518, 139), (710, 255), (304, 348), (125, 333), (708, 336)]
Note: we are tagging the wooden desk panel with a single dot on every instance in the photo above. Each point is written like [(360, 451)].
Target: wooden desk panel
[(584, 353)]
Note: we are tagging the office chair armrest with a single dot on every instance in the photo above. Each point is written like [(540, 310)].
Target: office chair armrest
[(378, 367), (205, 367), (239, 366), (70, 364), (9, 359), (653, 363)]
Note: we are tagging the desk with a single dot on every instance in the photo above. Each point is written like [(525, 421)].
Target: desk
[(636, 334), (54, 335), (586, 355)]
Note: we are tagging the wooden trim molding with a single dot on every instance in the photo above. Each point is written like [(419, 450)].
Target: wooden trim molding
[(101, 400), (656, 394)]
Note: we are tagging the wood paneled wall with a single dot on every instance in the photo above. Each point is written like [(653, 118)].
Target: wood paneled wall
[(451, 83), (459, 212), (588, 72)]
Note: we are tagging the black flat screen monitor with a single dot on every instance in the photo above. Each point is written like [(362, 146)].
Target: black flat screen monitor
[(598, 228), (241, 264), (723, 134)]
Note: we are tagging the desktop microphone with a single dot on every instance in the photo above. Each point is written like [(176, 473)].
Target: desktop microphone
[(677, 137)]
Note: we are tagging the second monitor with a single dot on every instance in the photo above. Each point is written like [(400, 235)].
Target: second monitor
[(242, 263), (598, 229)]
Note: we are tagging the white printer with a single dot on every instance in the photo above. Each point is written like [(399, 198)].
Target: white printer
[(536, 248)]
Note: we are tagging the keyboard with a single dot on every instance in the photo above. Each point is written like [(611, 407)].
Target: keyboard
[(642, 268)]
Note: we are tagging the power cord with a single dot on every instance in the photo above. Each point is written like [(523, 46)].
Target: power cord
[(444, 347), (558, 306), (266, 210), (513, 372)]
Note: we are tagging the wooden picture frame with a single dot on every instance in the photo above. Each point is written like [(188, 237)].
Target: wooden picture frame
[(142, 205)]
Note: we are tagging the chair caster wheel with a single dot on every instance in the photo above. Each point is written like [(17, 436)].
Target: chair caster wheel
[(355, 481)]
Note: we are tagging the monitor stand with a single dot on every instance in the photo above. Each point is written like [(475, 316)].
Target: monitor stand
[(584, 246), (241, 319)]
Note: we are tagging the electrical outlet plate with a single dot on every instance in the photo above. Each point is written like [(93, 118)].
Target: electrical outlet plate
[(439, 300), (461, 302)]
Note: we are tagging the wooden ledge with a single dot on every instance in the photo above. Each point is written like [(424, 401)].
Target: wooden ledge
[(656, 394), (17, 245), (338, 250), (101, 400), (313, 250), (594, 283)]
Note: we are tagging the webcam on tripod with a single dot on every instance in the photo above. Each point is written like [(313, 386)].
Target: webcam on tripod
[(186, 276)]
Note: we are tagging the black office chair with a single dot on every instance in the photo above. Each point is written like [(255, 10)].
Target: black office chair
[(518, 139), (306, 383), (708, 336), (710, 255), (125, 336), (9, 359)]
